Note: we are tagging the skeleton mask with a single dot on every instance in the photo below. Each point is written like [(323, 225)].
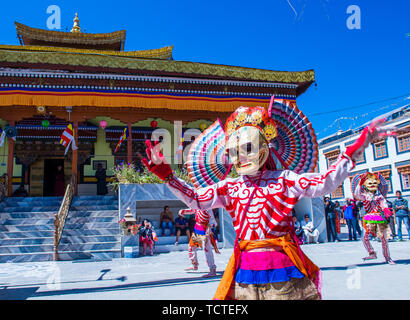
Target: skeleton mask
[(247, 149), (372, 183)]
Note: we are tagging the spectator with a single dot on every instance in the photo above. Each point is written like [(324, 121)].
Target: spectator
[(356, 217), (166, 221), (339, 216), (181, 226), (59, 182), (101, 176), (401, 214), (191, 223), (362, 212), (392, 226), (298, 229), (20, 192), (330, 218), (350, 220), (311, 233), (147, 236), (331, 222)]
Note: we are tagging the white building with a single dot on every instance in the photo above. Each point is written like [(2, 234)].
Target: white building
[(390, 157)]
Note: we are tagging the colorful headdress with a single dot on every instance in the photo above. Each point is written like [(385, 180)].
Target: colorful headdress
[(360, 179), (290, 135), (257, 117)]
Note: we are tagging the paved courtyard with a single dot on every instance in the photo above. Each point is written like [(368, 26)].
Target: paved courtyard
[(158, 277)]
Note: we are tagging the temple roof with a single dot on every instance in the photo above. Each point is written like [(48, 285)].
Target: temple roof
[(99, 41), (136, 63), (161, 53)]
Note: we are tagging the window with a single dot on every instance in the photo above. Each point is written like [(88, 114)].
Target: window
[(403, 143), (406, 180), (387, 176), (404, 172), (331, 161), (361, 159), (331, 157), (380, 150), (339, 192)]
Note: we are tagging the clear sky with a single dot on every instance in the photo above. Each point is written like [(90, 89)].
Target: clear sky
[(353, 67)]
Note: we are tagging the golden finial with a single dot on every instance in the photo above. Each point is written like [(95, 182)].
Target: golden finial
[(76, 26)]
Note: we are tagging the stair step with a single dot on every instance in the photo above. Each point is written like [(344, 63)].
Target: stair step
[(31, 209), (91, 225), (27, 257), (86, 220), (27, 215), (91, 232), (89, 247), (26, 249), (26, 241), (88, 239), (91, 213), (26, 234), (26, 228), (27, 221), (93, 208)]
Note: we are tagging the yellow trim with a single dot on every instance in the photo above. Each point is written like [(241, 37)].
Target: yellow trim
[(110, 100), (161, 53)]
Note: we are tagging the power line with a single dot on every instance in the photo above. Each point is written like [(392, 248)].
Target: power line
[(359, 106)]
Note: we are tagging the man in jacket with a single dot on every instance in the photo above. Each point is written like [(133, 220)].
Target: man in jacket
[(330, 220), (401, 212)]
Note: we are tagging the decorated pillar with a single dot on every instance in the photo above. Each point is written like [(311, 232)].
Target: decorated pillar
[(10, 163), (129, 144), (74, 160)]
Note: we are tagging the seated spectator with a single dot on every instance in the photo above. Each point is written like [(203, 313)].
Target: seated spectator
[(298, 229), (181, 226), (20, 192), (311, 233), (147, 236), (166, 220)]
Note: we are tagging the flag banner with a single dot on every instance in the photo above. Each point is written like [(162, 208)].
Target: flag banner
[(122, 139), (2, 138), (67, 138)]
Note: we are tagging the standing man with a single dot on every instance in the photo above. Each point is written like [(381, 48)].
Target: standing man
[(101, 176), (350, 220), (330, 220), (401, 213)]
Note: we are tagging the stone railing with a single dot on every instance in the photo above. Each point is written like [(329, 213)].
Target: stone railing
[(60, 217), (3, 187)]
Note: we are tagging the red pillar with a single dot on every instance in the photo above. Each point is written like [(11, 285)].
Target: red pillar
[(10, 163), (129, 144), (74, 161)]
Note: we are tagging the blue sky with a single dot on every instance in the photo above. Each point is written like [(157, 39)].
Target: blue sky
[(353, 67)]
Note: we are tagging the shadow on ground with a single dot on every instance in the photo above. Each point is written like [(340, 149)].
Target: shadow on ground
[(25, 293), (366, 264)]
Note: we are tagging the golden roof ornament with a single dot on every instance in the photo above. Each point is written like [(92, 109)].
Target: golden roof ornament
[(76, 26)]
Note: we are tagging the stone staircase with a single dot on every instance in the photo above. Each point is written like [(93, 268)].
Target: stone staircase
[(91, 230), (27, 230)]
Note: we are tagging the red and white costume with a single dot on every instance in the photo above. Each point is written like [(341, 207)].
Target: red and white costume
[(264, 218), (267, 263), (374, 222), (204, 220)]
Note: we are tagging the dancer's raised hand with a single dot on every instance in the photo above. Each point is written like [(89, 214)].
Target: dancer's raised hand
[(370, 134), (156, 162)]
